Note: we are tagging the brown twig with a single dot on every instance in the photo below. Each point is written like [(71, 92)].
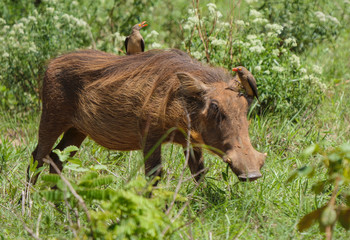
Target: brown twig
[(199, 28), (329, 228), (231, 31)]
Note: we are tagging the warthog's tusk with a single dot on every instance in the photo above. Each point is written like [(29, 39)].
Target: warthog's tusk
[(227, 160)]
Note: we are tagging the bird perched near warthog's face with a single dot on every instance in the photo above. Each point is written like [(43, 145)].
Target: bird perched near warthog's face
[(248, 81), (134, 43)]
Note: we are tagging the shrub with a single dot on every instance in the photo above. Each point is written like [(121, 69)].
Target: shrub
[(284, 83)]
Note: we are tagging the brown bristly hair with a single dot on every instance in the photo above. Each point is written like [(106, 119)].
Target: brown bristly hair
[(151, 75)]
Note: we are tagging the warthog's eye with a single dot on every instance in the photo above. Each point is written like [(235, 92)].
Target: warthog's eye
[(214, 106), (214, 111)]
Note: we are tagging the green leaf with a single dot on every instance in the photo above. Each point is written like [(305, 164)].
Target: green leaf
[(89, 175), (319, 187), (334, 157), (51, 178), (97, 182), (345, 147), (99, 167), (52, 195), (75, 161), (315, 148), (309, 219), (344, 218)]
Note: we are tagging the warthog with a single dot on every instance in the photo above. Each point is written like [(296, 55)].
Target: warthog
[(130, 102)]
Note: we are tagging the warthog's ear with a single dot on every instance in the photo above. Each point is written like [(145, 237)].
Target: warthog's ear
[(190, 85)]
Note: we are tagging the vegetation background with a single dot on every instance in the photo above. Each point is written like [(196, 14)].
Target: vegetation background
[(299, 52)]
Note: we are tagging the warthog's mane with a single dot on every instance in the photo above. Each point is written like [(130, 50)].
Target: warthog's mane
[(148, 77)]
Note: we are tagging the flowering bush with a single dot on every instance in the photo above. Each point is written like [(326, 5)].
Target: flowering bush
[(306, 21), (283, 81), (28, 44)]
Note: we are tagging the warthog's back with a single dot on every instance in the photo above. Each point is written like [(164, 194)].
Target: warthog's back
[(114, 98)]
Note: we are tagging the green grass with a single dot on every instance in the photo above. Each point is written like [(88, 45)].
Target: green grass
[(269, 208)]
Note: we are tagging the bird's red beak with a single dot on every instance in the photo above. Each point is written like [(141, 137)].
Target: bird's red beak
[(235, 69), (144, 24)]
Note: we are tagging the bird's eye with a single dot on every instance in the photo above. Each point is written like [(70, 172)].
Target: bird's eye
[(239, 69), (139, 25)]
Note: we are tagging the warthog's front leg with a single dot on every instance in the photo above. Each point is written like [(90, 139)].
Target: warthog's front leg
[(195, 162)]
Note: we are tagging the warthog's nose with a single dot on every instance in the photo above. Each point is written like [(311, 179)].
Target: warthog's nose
[(252, 176)]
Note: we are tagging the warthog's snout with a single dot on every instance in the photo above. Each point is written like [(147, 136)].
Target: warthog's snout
[(246, 166), (252, 176)]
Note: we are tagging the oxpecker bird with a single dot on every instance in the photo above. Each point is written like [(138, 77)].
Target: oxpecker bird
[(134, 43), (248, 81)]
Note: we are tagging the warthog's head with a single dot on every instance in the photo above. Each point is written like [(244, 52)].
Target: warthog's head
[(222, 124)]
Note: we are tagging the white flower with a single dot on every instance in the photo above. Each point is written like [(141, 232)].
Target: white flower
[(56, 18), (275, 27), (278, 69), (18, 26), (75, 3), (260, 20), (118, 37), (251, 1), (218, 42), (32, 48), (240, 22), (5, 55), (302, 70), (218, 14), (295, 60), (66, 17), (257, 49), (211, 8), (156, 45), (275, 52), (5, 28), (193, 20), (271, 34), (153, 33), (257, 69), (191, 11), (24, 20), (267, 72), (2, 21), (333, 19), (246, 44), (251, 36), (317, 69), (254, 13), (321, 16), (50, 10), (316, 81), (31, 18), (187, 26), (290, 41), (80, 22), (197, 55)]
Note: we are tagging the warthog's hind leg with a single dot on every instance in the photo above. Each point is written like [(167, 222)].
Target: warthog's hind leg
[(153, 162)]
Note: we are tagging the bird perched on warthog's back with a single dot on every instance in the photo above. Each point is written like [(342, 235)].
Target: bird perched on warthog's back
[(134, 43), (248, 81)]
